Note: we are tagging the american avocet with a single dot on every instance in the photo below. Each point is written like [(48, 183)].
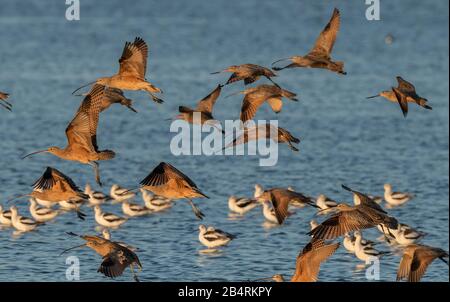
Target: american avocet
[(131, 75), (396, 198), (241, 205), (368, 214), (41, 214), (365, 252), (308, 261), (248, 72), (269, 212), (168, 181), (406, 235), (95, 197), (258, 191), (320, 55), (313, 224), (349, 242), (107, 235), (20, 223), (155, 203), (121, 194), (81, 135), (72, 205), (212, 238), (281, 198), (3, 102), (416, 259), (5, 217), (134, 209), (256, 96), (375, 198), (325, 203), (107, 219), (115, 256)]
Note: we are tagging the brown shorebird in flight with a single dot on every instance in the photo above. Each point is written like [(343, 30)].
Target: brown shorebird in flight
[(268, 131), (3, 102), (256, 96), (204, 109), (320, 55), (54, 186), (167, 181), (403, 94), (116, 256), (416, 259), (82, 131), (348, 218), (248, 72), (131, 75), (308, 261), (281, 198)]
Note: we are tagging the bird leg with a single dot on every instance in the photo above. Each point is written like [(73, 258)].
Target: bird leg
[(196, 210), (156, 99), (95, 165), (273, 82), (445, 261), (135, 277), (385, 236)]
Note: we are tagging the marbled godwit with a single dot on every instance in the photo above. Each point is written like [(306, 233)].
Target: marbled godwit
[(416, 259), (248, 72), (281, 198), (3, 102), (115, 256), (82, 134), (308, 261), (54, 186), (395, 198), (404, 93), (213, 238), (320, 55), (134, 209), (121, 194), (20, 223), (268, 131), (155, 203), (108, 220), (107, 235), (131, 75), (169, 182), (256, 96), (41, 214), (241, 205), (204, 109), (5, 217), (95, 197), (365, 252)]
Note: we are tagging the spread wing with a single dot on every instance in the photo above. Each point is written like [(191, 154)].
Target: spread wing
[(163, 173), (133, 61), (51, 178), (207, 103), (325, 42), (250, 105), (405, 86)]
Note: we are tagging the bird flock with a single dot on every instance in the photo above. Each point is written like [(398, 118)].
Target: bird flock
[(165, 183)]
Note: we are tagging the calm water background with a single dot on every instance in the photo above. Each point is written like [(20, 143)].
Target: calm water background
[(345, 138)]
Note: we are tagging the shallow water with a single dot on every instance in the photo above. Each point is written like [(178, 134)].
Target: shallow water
[(345, 138)]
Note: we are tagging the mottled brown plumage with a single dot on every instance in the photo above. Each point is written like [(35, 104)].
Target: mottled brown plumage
[(249, 73)]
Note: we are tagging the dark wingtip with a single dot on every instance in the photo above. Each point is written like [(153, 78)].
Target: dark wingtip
[(346, 188)]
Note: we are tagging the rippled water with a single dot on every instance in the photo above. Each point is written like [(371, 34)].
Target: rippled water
[(345, 138)]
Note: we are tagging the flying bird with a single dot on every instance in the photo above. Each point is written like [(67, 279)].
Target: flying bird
[(3, 102), (320, 55), (249, 73)]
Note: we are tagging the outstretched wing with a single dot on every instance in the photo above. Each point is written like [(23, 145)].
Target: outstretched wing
[(251, 103), (163, 173), (207, 103), (405, 86), (51, 177), (133, 61), (325, 42)]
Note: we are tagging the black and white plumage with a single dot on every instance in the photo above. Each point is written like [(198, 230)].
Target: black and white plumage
[(108, 220), (213, 238), (396, 198), (241, 205)]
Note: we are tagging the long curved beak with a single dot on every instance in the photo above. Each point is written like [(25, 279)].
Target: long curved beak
[(72, 248), (132, 109), (32, 153), (281, 60), (234, 93), (373, 96), (83, 86)]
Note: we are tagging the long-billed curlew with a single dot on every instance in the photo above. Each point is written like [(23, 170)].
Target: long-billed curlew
[(82, 134), (131, 75), (107, 235), (320, 55), (256, 96), (116, 257), (281, 198), (416, 259), (308, 262), (54, 186), (204, 109), (268, 131), (3, 102), (248, 72), (169, 182), (403, 94), (213, 238)]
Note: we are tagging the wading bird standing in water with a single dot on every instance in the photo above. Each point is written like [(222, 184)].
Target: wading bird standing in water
[(404, 93), (116, 257), (82, 132), (248, 72), (320, 55), (131, 75), (54, 186), (3, 102)]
